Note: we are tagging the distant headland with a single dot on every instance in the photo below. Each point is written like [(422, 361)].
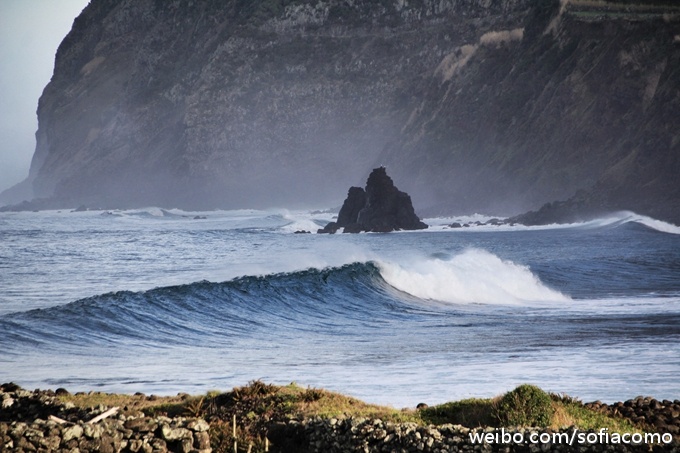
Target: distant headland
[(490, 107)]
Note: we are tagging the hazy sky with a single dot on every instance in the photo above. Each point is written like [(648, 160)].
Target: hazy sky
[(30, 32)]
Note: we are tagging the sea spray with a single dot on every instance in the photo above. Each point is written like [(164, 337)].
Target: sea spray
[(649, 222), (474, 276)]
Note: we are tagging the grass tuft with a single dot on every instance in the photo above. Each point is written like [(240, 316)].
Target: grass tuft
[(472, 412), (258, 406)]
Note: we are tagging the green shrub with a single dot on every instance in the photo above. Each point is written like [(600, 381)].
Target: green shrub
[(527, 405), (471, 412)]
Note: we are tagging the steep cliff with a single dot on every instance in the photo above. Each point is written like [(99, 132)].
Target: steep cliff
[(587, 101), (235, 103), (475, 105)]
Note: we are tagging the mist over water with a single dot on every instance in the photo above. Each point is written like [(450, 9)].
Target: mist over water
[(162, 302), (30, 33)]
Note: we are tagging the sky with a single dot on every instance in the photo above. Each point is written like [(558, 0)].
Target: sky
[(30, 32)]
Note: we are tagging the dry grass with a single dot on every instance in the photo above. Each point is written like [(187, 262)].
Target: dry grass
[(258, 405), (137, 402), (575, 414), (300, 402)]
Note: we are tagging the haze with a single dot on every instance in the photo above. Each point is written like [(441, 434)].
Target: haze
[(30, 32)]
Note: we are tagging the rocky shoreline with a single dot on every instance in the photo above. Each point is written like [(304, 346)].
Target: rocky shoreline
[(659, 416), (365, 435), (40, 421)]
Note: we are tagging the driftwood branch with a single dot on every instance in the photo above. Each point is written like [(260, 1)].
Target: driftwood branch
[(61, 421), (233, 424), (102, 416)]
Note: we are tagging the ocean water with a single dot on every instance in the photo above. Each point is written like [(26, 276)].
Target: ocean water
[(162, 302)]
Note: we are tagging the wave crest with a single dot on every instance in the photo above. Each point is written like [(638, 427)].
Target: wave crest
[(649, 222), (474, 276)]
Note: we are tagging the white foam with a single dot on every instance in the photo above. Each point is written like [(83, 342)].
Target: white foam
[(611, 220), (655, 224), (303, 221), (462, 219), (623, 305), (474, 276), (620, 218)]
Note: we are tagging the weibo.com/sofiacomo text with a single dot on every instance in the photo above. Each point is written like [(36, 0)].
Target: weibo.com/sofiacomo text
[(573, 437)]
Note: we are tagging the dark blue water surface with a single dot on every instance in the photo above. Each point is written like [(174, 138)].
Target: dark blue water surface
[(160, 302)]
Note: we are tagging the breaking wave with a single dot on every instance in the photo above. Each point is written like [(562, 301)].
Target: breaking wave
[(330, 299), (474, 276)]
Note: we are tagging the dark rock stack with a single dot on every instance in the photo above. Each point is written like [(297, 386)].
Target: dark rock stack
[(355, 202), (380, 208)]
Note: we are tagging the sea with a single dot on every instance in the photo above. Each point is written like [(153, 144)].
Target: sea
[(168, 301)]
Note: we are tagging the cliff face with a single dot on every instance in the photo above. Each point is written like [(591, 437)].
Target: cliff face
[(587, 101), (474, 104), (234, 103)]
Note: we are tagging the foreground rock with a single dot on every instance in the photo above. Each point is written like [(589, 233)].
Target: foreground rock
[(380, 208), (662, 415), (321, 435), (28, 424)]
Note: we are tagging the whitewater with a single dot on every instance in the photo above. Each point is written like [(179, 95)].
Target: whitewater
[(167, 301)]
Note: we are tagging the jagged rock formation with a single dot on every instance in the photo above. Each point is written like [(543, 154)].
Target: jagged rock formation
[(476, 105), (352, 206), (380, 208)]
